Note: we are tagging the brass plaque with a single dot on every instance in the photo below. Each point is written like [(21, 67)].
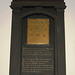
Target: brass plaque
[(37, 31)]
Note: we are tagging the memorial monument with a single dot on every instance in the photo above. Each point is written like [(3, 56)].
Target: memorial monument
[(37, 38)]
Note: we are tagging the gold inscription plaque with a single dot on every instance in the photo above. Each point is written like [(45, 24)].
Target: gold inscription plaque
[(37, 31)]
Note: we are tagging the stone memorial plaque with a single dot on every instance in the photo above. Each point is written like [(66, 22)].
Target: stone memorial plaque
[(37, 41)]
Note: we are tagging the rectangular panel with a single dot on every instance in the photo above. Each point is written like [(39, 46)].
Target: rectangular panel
[(37, 31), (37, 61)]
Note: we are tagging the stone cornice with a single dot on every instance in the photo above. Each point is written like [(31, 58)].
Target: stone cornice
[(37, 3)]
